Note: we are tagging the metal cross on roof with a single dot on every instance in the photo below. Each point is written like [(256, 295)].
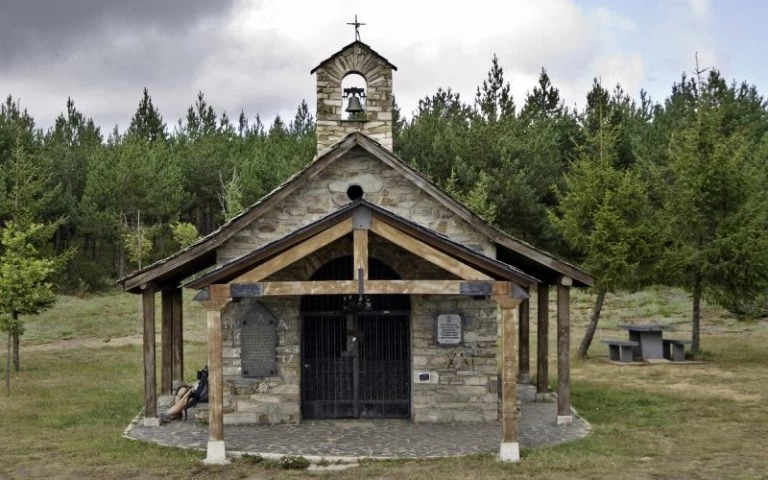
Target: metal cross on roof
[(357, 27)]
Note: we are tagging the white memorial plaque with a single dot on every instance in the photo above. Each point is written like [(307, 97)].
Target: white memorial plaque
[(449, 329)]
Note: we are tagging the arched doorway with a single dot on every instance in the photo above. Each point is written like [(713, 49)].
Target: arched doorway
[(355, 350)]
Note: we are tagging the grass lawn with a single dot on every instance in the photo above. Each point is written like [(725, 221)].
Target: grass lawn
[(80, 386)]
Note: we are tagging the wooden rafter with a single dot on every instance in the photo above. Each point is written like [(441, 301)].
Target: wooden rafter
[(421, 249), (295, 253)]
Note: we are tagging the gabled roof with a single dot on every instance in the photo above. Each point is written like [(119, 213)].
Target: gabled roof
[(490, 266), (361, 45), (201, 254)]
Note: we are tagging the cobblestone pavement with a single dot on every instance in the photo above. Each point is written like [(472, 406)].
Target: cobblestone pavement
[(372, 438)]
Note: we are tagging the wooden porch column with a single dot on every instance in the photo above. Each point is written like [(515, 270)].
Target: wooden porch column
[(177, 334), (150, 388), (508, 311), (524, 342), (360, 254), (564, 415), (166, 339), (216, 452), (542, 359)]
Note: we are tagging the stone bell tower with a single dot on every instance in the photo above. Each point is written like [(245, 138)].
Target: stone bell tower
[(366, 109)]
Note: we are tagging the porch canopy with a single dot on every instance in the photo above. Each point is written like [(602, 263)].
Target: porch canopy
[(474, 275)]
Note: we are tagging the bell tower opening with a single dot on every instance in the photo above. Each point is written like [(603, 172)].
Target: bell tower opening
[(353, 87)]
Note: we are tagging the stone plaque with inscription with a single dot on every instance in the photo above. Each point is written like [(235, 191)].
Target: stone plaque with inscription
[(258, 341), (448, 329)]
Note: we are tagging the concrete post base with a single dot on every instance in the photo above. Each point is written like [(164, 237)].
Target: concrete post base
[(544, 397), (509, 452), (564, 419), (216, 453), (151, 422)]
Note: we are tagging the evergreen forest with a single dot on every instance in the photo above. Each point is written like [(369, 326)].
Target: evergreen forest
[(636, 190)]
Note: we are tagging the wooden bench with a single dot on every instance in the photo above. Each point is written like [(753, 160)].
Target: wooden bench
[(674, 350), (621, 350)]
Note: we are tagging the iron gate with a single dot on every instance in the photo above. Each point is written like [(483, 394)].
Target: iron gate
[(355, 350)]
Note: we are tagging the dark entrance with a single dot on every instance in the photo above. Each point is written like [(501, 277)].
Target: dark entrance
[(355, 350)]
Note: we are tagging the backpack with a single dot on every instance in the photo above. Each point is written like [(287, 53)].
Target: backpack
[(200, 394)]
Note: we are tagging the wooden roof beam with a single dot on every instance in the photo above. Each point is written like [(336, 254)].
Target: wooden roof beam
[(295, 253), (372, 287), (428, 253)]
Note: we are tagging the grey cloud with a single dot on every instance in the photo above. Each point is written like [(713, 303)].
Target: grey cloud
[(48, 29)]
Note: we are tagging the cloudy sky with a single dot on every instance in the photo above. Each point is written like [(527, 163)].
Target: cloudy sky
[(255, 55)]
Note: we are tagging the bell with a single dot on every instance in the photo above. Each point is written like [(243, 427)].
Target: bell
[(354, 105)]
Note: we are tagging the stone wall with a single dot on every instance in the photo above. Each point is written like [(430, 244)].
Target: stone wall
[(357, 59), (466, 384), (272, 399), (326, 192)]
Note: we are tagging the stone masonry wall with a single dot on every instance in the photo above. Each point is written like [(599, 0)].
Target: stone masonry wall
[(264, 400), (378, 106), (326, 192), (466, 389)]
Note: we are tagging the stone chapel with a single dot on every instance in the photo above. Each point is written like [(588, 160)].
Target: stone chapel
[(359, 289)]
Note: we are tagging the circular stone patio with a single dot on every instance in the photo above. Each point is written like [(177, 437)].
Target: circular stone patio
[(352, 439)]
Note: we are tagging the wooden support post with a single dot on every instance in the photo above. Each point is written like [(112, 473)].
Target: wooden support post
[(508, 311), (166, 339), (564, 415), (524, 342), (150, 387), (216, 452), (177, 336), (542, 359), (360, 254)]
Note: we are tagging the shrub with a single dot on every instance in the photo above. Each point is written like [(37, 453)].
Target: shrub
[(294, 462)]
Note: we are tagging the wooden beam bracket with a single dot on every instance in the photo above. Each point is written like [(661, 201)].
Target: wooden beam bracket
[(202, 295), (519, 292)]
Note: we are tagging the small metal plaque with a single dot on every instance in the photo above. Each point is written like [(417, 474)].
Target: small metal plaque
[(245, 290), (258, 341), (475, 289), (449, 329)]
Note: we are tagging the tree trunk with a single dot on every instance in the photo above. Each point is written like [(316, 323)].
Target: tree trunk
[(16, 351), (8, 364), (14, 330), (589, 334), (696, 318)]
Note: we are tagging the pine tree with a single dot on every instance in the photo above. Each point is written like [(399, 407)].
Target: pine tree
[(147, 123), (605, 215), (714, 208), (544, 101), (493, 100)]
